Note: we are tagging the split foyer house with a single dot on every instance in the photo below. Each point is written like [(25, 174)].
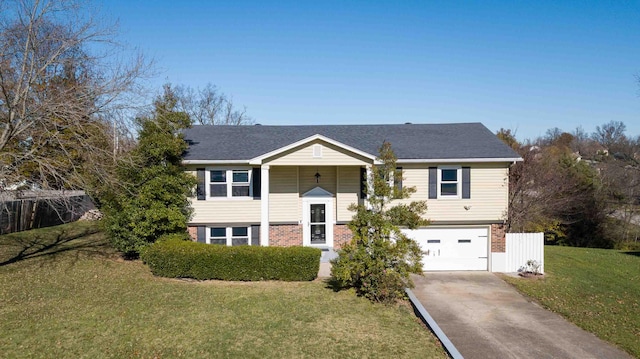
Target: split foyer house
[(292, 185)]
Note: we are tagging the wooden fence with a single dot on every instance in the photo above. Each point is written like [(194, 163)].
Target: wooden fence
[(30, 213)]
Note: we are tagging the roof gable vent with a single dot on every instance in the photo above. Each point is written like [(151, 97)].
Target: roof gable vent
[(317, 151)]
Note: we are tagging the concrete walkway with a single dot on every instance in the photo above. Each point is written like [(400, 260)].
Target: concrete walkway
[(484, 317), (325, 267)]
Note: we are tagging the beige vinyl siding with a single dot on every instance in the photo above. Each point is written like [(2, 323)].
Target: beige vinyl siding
[(283, 194), (327, 178), (348, 192), (327, 181), (489, 193), (303, 156), (226, 210), (231, 210), (192, 170)]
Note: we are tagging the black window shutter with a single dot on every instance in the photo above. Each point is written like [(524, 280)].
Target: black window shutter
[(200, 189), (363, 183), (398, 178), (257, 182), (255, 235), (466, 182), (202, 234), (433, 182)]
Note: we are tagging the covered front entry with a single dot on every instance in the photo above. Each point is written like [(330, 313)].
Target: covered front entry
[(452, 248), (317, 212)]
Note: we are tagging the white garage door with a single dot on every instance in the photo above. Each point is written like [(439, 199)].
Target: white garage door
[(452, 248)]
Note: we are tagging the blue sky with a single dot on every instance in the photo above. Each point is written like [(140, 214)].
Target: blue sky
[(527, 66)]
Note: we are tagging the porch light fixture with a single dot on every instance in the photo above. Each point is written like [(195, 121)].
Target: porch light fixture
[(317, 176)]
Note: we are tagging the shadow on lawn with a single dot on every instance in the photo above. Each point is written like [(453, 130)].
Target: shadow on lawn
[(333, 284), (20, 247), (633, 253)]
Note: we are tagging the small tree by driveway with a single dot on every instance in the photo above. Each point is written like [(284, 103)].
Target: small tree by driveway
[(378, 260)]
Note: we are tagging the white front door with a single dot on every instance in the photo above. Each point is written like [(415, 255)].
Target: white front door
[(318, 222)]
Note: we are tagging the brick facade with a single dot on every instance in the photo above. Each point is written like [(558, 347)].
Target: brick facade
[(341, 235), (193, 233), (284, 235), (498, 239)]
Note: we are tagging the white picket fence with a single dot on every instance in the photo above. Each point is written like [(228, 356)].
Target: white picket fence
[(522, 247)]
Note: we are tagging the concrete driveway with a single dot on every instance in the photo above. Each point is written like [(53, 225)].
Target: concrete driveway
[(484, 317)]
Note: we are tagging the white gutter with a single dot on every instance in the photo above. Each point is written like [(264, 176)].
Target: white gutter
[(458, 160), (214, 162), (400, 160)]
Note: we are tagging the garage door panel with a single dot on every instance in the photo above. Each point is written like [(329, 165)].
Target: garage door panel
[(452, 248)]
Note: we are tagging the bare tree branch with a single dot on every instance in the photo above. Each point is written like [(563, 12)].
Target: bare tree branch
[(64, 84), (208, 106)]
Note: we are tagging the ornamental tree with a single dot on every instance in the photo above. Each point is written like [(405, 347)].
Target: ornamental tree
[(379, 259)]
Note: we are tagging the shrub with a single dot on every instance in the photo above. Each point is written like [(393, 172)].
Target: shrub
[(182, 236), (628, 246), (175, 258)]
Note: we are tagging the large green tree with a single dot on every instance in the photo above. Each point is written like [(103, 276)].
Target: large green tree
[(378, 260), (154, 200)]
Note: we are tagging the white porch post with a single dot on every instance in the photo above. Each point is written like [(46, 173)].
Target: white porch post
[(369, 186), (264, 205)]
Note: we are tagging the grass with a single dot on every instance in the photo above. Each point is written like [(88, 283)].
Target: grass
[(65, 293), (597, 289)]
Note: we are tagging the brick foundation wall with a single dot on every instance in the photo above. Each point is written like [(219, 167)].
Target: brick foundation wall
[(284, 235), (341, 235), (193, 233), (498, 238)]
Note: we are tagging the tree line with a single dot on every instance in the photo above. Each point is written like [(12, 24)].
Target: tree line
[(579, 189)]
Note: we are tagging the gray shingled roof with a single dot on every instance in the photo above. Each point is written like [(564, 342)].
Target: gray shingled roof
[(409, 141)]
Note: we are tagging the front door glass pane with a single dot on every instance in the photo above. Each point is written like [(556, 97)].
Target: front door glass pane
[(318, 224), (317, 213), (318, 234)]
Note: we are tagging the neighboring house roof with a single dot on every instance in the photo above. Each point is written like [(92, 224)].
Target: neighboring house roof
[(409, 141)]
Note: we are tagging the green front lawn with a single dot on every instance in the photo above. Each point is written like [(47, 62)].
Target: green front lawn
[(597, 289), (65, 293)]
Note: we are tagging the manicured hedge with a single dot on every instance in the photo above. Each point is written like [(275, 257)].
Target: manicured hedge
[(175, 258)]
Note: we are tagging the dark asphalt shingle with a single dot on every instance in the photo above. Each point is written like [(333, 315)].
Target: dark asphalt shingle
[(409, 141)]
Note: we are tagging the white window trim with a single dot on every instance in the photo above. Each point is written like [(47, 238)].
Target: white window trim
[(228, 234), (229, 183), (458, 182)]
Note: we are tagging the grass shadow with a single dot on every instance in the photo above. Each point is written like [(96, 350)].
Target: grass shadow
[(27, 245), (633, 253)]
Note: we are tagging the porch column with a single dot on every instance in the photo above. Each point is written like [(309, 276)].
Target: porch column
[(369, 186), (264, 205)]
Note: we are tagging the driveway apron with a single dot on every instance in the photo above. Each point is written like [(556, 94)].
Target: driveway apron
[(485, 317)]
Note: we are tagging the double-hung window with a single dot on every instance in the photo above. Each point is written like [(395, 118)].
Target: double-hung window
[(218, 183), (218, 235), (449, 182), (229, 236), (225, 183), (240, 185)]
